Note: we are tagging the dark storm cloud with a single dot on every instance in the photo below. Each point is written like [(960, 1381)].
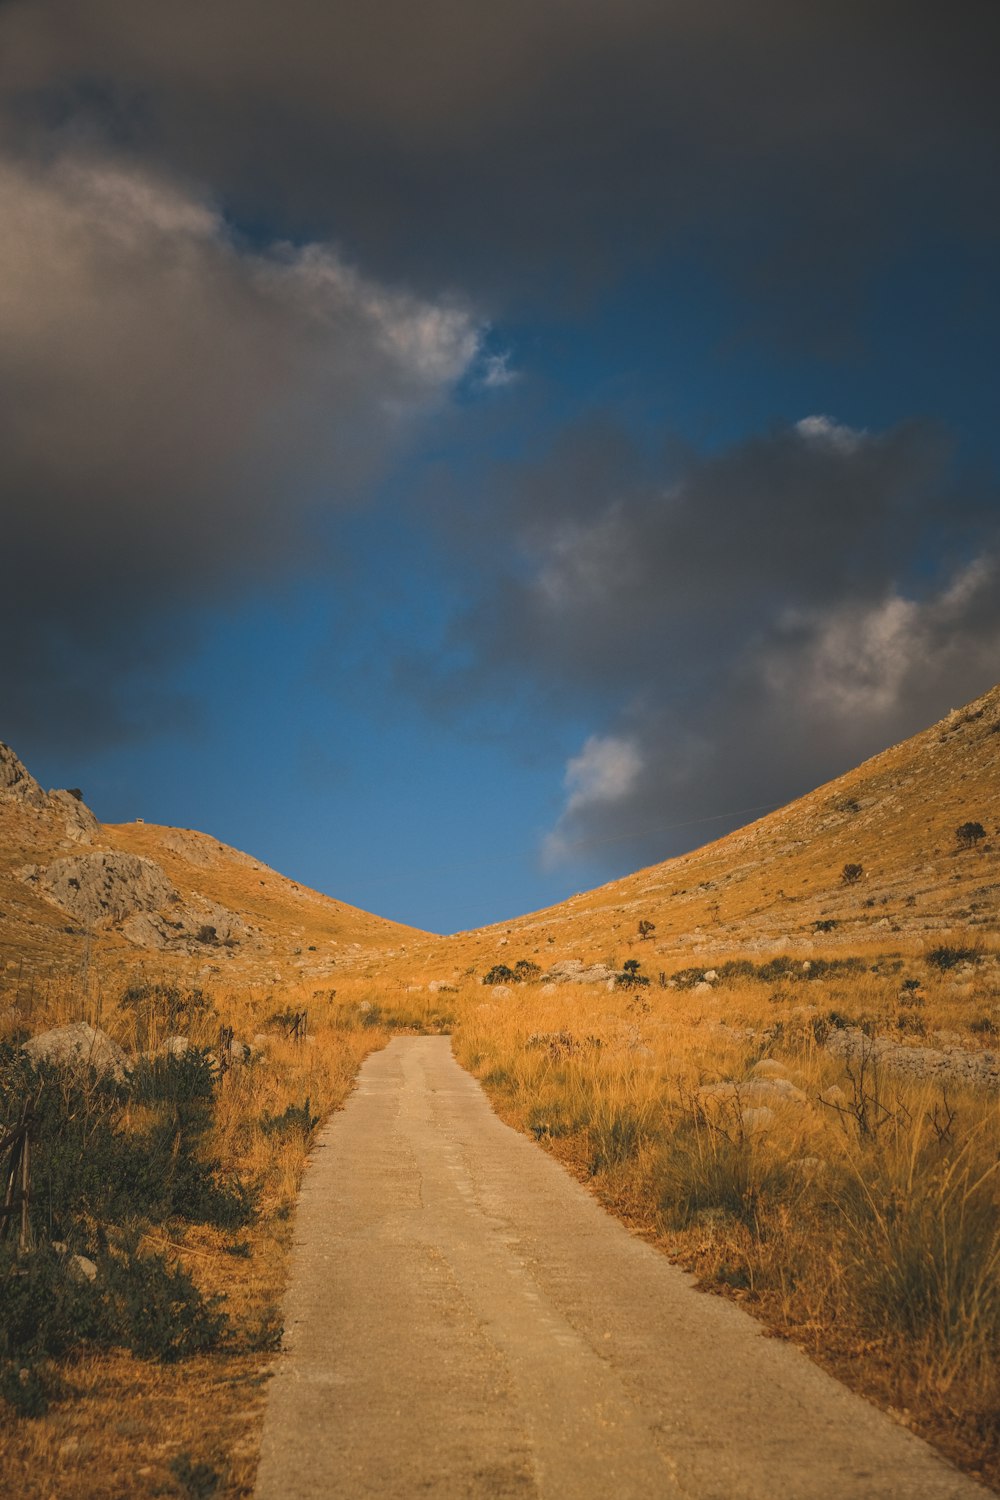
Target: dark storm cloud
[(174, 407), (763, 618), (543, 143)]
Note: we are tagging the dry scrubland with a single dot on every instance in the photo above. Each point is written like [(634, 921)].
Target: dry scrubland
[(852, 1208), (162, 1392), (803, 1112), (855, 1209)]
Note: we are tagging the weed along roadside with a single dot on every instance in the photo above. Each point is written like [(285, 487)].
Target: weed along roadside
[(143, 1267), (761, 1126)]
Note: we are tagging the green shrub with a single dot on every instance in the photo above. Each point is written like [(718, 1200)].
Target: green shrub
[(197, 1481), (137, 1302), (629, 978), (500, 974), (85, 1166), (949, 958)]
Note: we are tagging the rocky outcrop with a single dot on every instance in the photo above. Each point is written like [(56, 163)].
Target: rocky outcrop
[(16, 782), (947, 1064), (105, 886), (111, 889), (575, 971), (190, 927), (69, 813), (81, 825)]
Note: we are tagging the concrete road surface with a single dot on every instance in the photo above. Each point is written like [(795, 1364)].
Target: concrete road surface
[(464, 1320)]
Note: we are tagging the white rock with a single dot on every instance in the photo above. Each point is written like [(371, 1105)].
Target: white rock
[(78, 1046), (173, 1046), (768, 1067), (79, 1268)]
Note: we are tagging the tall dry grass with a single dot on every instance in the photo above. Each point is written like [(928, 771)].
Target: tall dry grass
[(135, 1426), (855, 1209)]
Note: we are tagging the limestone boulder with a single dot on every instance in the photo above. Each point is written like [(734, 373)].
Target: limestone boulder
[(79, 1046)]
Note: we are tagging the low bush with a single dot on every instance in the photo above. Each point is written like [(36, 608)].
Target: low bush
[(295, 1118), (629, 978), (86, 1165), (500, 974), (710, 1169), (137, 1302)]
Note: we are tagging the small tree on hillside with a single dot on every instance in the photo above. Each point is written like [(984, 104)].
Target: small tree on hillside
[(969, 834), (630, 978), (646, 929), (851, 874)]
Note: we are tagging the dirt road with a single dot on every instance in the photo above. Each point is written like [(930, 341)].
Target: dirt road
[(465, 1321)]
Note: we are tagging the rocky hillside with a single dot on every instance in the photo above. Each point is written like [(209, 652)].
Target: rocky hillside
[(74, 891), (780, 884), (873, 860)]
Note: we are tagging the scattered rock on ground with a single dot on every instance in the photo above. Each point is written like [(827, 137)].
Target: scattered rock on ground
[(575, 971), (768, 1067), (753, 1091), (78, 1046), (947, 1063)]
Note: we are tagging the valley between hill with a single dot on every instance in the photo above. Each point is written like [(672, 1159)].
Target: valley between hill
[(775, 1057)]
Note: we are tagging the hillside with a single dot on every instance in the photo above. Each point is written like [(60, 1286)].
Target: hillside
[(179, 899), (778, 883), (75, 892)]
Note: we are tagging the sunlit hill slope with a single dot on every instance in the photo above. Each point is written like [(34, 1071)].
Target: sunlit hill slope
[(75, 892), (779, 883)]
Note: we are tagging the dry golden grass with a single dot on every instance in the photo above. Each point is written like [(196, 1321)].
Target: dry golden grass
[(131, 1426), (867, 1233), (863, 1225)]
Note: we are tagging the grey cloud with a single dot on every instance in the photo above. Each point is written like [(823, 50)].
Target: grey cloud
[(176, 408), (761, 619), (539, 143), (796, 707), (621, 574)]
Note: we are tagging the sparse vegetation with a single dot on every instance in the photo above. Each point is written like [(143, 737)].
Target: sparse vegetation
[(970, 834), (852, 873), (522, 973), (173, 1185), (500, 974), (854, 1208), (629, 977)]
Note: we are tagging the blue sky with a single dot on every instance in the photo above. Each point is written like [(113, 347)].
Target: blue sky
[(459, 485)]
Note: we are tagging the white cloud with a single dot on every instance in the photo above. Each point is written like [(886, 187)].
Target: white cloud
[(859, 660), (605, 772), (823, 431)]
